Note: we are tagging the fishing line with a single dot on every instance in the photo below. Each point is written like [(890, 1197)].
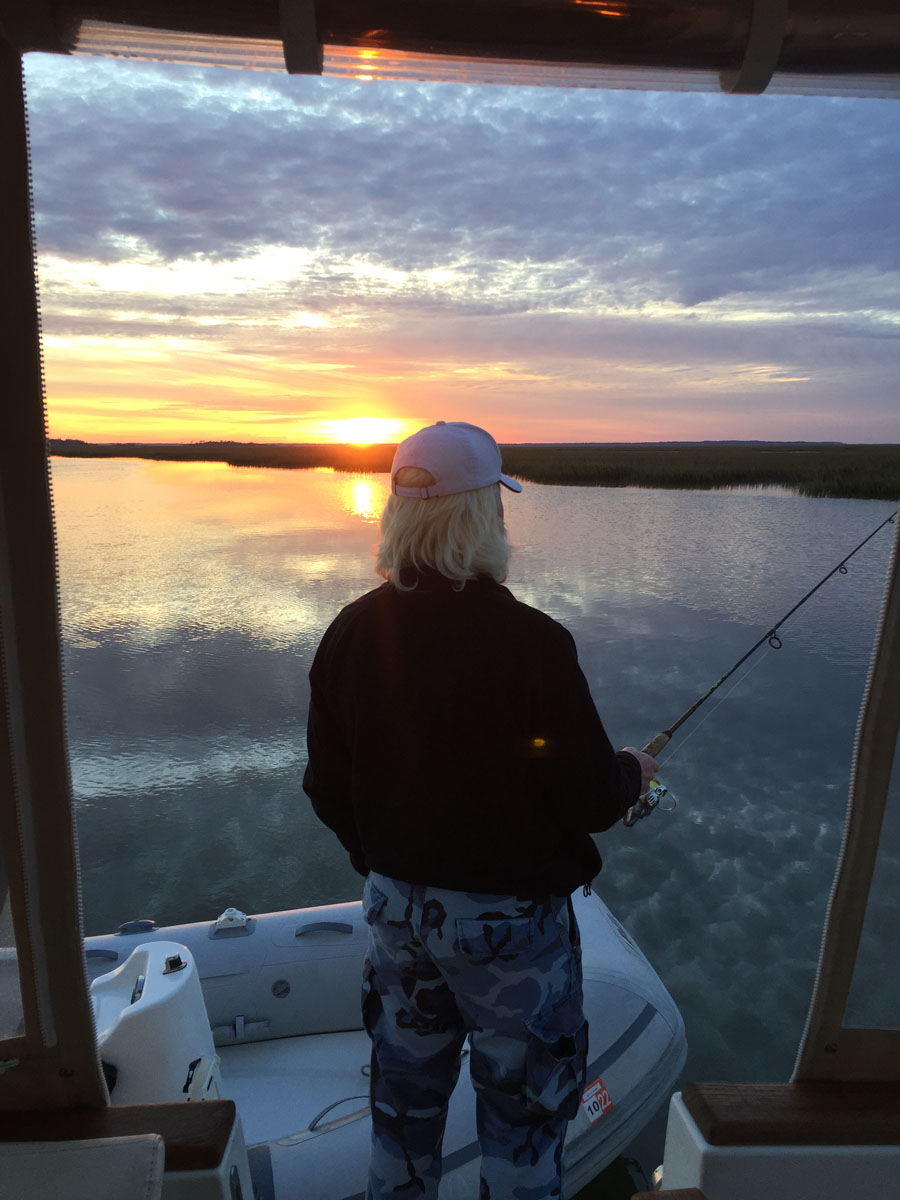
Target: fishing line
[(646, 803), (657, 790), (715, 708)]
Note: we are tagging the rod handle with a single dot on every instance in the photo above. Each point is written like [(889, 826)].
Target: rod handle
[(658, 743)]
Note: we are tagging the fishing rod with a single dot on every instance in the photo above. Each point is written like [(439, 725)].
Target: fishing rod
[(651, 798)]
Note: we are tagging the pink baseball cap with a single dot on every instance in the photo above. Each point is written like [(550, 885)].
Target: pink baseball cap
[(461, 457)]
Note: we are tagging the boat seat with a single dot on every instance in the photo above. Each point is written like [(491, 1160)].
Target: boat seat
[(88, 1169), (743, 1141)]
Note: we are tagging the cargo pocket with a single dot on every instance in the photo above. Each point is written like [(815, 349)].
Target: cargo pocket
[(496, 939), (555, 1059), (372, 1007), (374, 901)]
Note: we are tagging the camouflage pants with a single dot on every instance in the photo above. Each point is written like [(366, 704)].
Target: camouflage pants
[(443, 965)]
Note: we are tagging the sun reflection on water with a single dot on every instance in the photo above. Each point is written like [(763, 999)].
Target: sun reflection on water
[(150, 551), (364, 496)]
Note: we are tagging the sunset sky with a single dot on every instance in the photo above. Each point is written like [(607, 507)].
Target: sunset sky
[(265, 258)]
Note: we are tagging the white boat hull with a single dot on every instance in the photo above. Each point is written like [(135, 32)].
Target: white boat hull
[(282, 998)]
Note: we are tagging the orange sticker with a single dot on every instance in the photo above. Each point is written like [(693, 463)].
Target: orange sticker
[(596, 1100)]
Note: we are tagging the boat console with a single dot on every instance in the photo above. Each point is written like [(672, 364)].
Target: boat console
[(153, 1033)]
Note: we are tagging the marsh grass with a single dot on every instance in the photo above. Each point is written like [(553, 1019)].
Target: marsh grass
[(852, 472), (236, 454), (859, 472)]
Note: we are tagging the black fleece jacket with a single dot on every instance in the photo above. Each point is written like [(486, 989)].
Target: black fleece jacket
[(453, 742)]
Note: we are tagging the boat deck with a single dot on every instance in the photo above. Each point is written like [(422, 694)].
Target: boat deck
[(280, 1087)]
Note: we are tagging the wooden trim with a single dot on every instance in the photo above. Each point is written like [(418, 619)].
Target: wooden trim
[(195, 1134), (36, 812), (846, 1054), (677, 1194), (829, 1050), (795, 1114)]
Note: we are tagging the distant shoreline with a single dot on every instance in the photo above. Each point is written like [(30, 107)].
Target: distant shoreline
[(859, 472)]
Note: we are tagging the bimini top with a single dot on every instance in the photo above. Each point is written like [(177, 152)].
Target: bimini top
[(831, 47)]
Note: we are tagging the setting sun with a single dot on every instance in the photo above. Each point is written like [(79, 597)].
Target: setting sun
[(366, 431)]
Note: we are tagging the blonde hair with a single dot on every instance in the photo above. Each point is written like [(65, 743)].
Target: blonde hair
[(460, 536)]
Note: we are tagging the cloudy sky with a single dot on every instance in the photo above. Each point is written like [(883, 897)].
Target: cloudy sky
[(265, 258)]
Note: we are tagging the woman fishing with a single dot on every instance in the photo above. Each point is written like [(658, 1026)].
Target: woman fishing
[(455, 750)]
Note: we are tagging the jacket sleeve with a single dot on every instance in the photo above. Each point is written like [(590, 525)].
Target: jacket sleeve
[(597, 784), (327, 779)]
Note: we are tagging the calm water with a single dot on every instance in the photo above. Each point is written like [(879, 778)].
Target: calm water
[(194, 596)]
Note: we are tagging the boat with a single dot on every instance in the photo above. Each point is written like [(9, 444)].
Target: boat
[(836, 1120), (275, 1026)]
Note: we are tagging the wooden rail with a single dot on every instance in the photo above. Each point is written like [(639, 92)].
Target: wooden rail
[(195, 1135), (678, 1194), (795, 1114)]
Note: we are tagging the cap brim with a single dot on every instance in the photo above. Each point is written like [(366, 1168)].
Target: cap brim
[(512, 484)]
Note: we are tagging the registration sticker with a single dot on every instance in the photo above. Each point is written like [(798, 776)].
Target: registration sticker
[(596, 1100)]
